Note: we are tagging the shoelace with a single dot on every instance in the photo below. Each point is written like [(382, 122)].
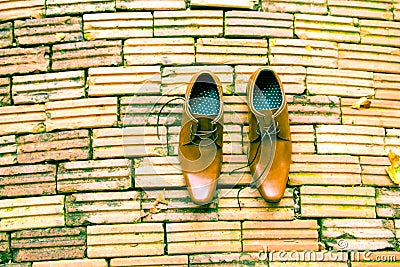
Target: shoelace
[(203, 136), (268, 131)]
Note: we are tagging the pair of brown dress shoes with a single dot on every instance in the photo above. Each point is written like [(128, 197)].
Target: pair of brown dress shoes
[(200, 140)]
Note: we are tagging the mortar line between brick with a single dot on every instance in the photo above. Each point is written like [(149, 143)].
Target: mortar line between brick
[(165, 239), (10, 91)]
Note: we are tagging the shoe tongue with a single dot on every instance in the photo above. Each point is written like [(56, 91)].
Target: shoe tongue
[(204, 124), (266, 119)]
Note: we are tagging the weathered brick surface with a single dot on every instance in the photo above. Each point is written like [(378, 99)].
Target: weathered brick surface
[(28, 180), (39, 88), (384, 113), (258, 24), (5, 98), (373, 171), (108, 81), (158, 172), (166, 51), (151, 4), (71, 145), (203, 237), (156, 261), (180, 208), (245, 4), (59, 7), (22, 119), (253, 206), (4, 244), (118, 25), (83, 113), (30, 213), (101, 208), (87, 54), (335, 201), (325, 170), (8, 150), (380, 32), (129, 142), (221, 259), (388, 203), (48, 30), (378, 9), (10, 9), (176, 79), (6, 34), (49, 244), (231, 51), (313, 109), (16, 265), (396, 11), (140, 111), (302, 139), (124, 240), (94, 175), (340, 82), (369, 58), (392, 140), (327, 28), (280, 235), (358, 234), (308, 53), (24, 60), (72, 263), (386, 86), (294, 6), (351, 140), (292, 77), (188, 23)]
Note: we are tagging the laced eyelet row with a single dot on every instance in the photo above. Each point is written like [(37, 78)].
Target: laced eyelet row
[(204, 136)]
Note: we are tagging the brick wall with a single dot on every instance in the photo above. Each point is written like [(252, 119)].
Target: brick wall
[(81, 164)]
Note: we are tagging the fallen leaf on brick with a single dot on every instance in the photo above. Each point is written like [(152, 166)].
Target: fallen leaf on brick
[(363, 102), (161, 199), (394, 170), (60, 36)]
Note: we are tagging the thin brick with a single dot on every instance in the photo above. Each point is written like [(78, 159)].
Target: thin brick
[(31, 213), (110, 81), (231, 51), (22, 119), (94, 175), (258, 24), (28, 180), (152, 51), (48, 30), (8, 150), (188, 23), (60, 7), (87, 54), (308, 53), (203, 237), (39, 88), (335, 201), (83, 113), (118, 25), (49, 244), (102, 208), (24, 60), (66, 145)]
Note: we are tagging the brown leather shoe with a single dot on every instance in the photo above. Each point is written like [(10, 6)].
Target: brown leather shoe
[(270, 146), (200, 139)]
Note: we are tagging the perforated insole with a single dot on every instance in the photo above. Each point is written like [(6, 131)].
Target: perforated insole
[(267, 92), (204, 99)]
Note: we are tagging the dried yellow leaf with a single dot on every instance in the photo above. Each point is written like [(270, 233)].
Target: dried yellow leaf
[(60, 36), (161, 198), (394, 170), (363, 102)]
